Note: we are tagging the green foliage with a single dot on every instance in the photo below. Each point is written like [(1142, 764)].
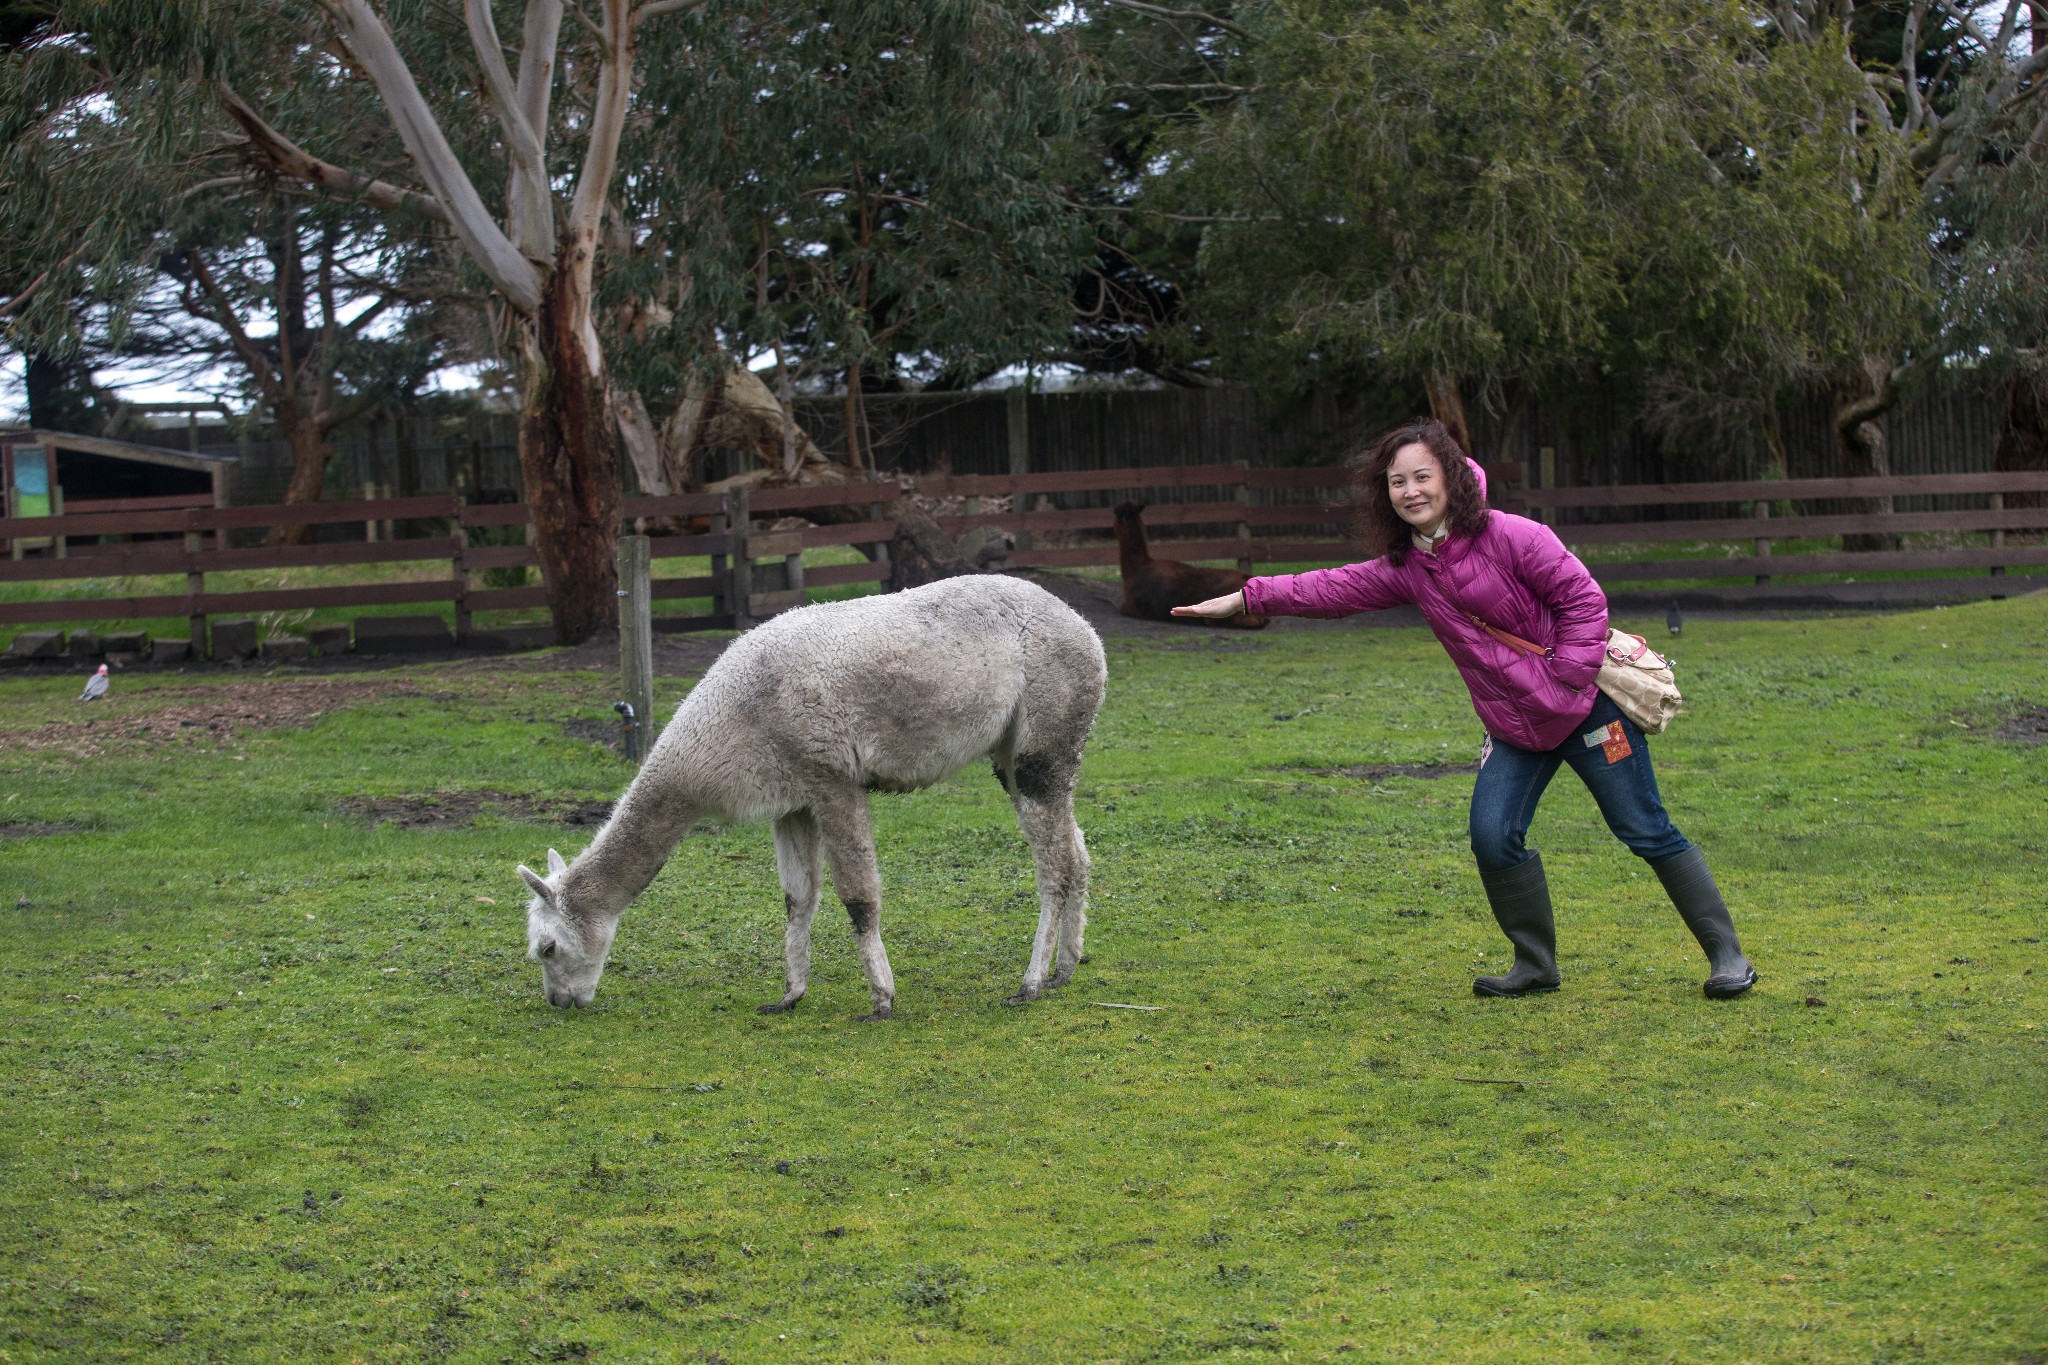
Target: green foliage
[(1523, 192), (280, 1085), (873, 184), (121, 162)]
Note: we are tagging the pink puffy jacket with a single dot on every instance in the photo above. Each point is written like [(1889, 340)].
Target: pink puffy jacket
[(1517, 576)]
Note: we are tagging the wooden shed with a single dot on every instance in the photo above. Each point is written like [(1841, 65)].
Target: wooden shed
[(49, 473)]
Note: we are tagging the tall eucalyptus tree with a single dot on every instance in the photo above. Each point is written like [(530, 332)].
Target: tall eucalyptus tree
[(877, 194)]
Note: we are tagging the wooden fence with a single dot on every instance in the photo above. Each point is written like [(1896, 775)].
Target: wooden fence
[(1203, 512)]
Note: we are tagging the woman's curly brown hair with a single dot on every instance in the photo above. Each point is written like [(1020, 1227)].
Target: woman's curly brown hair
[(1380, 525)]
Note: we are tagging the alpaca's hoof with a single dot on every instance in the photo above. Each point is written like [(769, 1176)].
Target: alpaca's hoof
[(779, 1007), (1060, 978), (880, 1012), (1022, 997)]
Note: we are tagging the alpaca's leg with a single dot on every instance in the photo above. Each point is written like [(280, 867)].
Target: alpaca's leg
[(1061, 858), (1073, 908), (797, 864), (850, 844)]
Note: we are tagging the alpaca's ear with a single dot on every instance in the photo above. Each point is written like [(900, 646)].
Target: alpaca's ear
[(555, 863), (538, 883)]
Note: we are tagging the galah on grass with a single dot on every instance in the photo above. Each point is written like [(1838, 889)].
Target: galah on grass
[(95, 686)]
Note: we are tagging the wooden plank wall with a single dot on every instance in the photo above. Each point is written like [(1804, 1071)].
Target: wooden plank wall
[(1595, 437)]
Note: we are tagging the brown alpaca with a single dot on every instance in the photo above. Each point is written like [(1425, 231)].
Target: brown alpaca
[(1154, 587)]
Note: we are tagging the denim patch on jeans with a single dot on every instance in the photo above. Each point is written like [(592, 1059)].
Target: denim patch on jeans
[(1611, 757)]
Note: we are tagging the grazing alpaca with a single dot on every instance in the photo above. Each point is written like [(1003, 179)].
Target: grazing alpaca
[(1154, 587), (801, 718)]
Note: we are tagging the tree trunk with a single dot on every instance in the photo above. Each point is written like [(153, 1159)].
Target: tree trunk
[(641, 440), (921, 552), (1860, 402), (736, 410), (56, 400), (1447, 405), (310, 455), (568, 460), (2023, 440)]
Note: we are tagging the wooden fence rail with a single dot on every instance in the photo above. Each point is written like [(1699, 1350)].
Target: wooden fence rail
[(1250, 516)]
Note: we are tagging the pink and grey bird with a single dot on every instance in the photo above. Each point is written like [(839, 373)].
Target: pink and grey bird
[(95, 686)]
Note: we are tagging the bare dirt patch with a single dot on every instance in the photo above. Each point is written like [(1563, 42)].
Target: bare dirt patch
[(455, 809), (675, 656), (36, 829), (1379, 772), (2028, 726), (210, 712)]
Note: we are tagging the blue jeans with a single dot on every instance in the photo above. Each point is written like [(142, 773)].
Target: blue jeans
[(1610, 756)]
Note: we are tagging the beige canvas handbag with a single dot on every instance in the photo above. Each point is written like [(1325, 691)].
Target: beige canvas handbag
[(1636, 677), (1640, 681)]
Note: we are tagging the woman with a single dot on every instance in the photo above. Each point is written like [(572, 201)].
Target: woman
[(1469, 568)]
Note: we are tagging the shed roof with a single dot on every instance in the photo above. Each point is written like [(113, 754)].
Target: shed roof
[(121, 450)]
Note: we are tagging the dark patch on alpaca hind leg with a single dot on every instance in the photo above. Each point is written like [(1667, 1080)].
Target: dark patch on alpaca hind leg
[(1037, 778), (862, 913)]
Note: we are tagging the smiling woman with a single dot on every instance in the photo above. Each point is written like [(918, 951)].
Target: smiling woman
[(1481, 578)]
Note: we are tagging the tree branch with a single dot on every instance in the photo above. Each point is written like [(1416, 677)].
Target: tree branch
[(363, 319), (367, 37), (590, 25), (259, 364), (654, 7), (542, 33), (330, 329), (531, 207), (2009, 25), (1909, 61), (28, 291), (607, 125), (1967, 22), (1200, 16), (285, 157)]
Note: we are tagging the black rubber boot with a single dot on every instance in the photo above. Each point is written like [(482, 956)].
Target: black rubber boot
[(1691, 888), (1520, 898)]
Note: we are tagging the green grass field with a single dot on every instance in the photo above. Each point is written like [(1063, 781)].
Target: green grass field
[(279, 1084)]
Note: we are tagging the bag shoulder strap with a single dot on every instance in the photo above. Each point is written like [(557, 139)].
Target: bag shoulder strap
[(1512, 641)]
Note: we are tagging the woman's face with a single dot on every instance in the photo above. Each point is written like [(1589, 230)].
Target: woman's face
[(1415, 482)]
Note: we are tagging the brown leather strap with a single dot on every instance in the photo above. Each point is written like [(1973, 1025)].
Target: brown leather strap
[(1512, 641)]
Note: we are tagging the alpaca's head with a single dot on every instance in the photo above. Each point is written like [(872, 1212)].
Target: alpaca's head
[(570, 947), (1128, 513)]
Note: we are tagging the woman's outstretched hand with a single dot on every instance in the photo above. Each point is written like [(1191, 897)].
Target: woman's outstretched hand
[(1230, 604)]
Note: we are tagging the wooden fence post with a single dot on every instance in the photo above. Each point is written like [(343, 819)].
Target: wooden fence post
[(1546, 472), (195, 584), (461, 572), (1763, 543), (721, 581), (742, 591), (636, 637), (1244, 525), (881, 547), (1997, 504), (1018, 419), (793, 575)]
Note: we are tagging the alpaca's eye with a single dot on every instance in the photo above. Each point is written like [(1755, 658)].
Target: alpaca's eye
[(548, 949)]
